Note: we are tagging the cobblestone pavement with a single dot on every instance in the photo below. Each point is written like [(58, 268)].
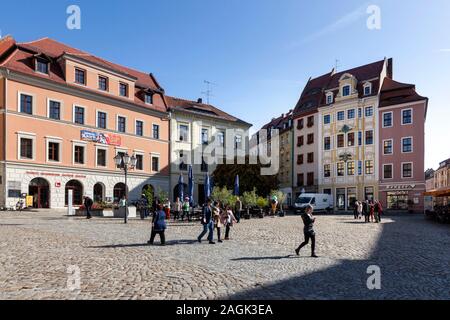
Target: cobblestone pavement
[(36, 250)]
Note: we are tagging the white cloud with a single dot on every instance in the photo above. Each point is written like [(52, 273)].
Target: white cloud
[(339, 24), (444, 50)]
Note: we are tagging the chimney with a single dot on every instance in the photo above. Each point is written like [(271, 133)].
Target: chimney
[(282, 115), (200, 100)]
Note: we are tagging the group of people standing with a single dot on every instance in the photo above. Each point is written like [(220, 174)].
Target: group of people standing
[(370, 209)]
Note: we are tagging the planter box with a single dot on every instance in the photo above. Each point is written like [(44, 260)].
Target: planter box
[(120, 212), (94, 213)]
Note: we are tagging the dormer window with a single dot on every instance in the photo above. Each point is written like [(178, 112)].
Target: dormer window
[(367, 89), (80, 76), (148, 97), (103, 83), (346, 90), (123, 89), (329, 98), (42, 66)]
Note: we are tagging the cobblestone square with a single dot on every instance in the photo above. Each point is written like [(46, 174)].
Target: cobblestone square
[(36, 250)]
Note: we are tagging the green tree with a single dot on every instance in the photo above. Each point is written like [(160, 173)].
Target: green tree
[(249, 178), (250, 198)]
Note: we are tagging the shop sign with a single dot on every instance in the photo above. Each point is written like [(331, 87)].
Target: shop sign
[(103, 138), (49, 174), (401, 187)]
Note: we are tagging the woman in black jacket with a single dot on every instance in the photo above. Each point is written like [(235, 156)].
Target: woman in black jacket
[(308, 230)]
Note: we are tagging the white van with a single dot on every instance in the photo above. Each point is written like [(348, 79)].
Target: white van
[(319, 201)]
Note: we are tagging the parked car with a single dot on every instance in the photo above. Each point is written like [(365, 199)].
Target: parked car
[(319, 201)]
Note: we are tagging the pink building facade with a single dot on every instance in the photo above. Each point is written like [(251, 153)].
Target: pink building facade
[(402, 114)]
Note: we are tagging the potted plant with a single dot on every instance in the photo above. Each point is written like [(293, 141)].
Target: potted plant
[(249, 200), (262, 203)]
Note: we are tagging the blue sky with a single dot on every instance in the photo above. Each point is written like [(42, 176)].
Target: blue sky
[(260, 53)]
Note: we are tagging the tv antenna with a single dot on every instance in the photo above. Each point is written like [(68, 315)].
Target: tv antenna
[(336, 65), (208, 92)]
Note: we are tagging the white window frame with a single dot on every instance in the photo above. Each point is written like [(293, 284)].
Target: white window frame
[(117, 123), (26, 135), (155, 155), (54, 140), (412, 144), (354, 113), (179, 132), (365, 111), (392, 119), (207, 133), (116, 151), (36, 66), (412, 169), (33, 104), (326, 124), (412, 117), (101, 147), (145, 100), (367, 85), (392, 147), (135, 127), (337, 170), (159, 131), (354, 169), (61, 104), (349, 92), (392, 166), (96, 119), (373, 138), (365, 167), (79, 144), (140, 153), (73, 114), (330, 95), (337, 117)]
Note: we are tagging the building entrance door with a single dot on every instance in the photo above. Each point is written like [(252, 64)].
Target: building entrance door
[(40, 190)]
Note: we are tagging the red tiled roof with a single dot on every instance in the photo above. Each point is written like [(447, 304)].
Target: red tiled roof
[(313, 95), (21, 61), (393, 93), (6, 44), (200, 108)]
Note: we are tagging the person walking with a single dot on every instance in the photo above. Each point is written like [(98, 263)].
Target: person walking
[(366, 210), (378, 209), (207, 222), (308, 230), (88, 203), (355, 210), (372, 213), (238, 209), (217, 214), (228, 220), (143, 206), (186, 209), (177, 209), (360, 210), (158, 226)]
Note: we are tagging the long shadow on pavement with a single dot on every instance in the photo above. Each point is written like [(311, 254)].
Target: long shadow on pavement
[(414, 264)]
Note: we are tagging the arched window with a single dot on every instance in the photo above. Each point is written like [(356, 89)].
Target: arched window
[(77, 189), (119, 191), (99, 192)]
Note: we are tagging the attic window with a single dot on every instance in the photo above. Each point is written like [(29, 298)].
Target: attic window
[(329, 98), (346, 91), (367, 89), (148, 98), (42, 66)]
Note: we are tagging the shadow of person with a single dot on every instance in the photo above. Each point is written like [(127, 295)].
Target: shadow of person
[(290, 256)]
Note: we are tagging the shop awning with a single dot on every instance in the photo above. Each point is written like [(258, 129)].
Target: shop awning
[(438, 193)]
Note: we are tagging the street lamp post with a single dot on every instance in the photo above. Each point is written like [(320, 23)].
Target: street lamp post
[(126, 163)]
